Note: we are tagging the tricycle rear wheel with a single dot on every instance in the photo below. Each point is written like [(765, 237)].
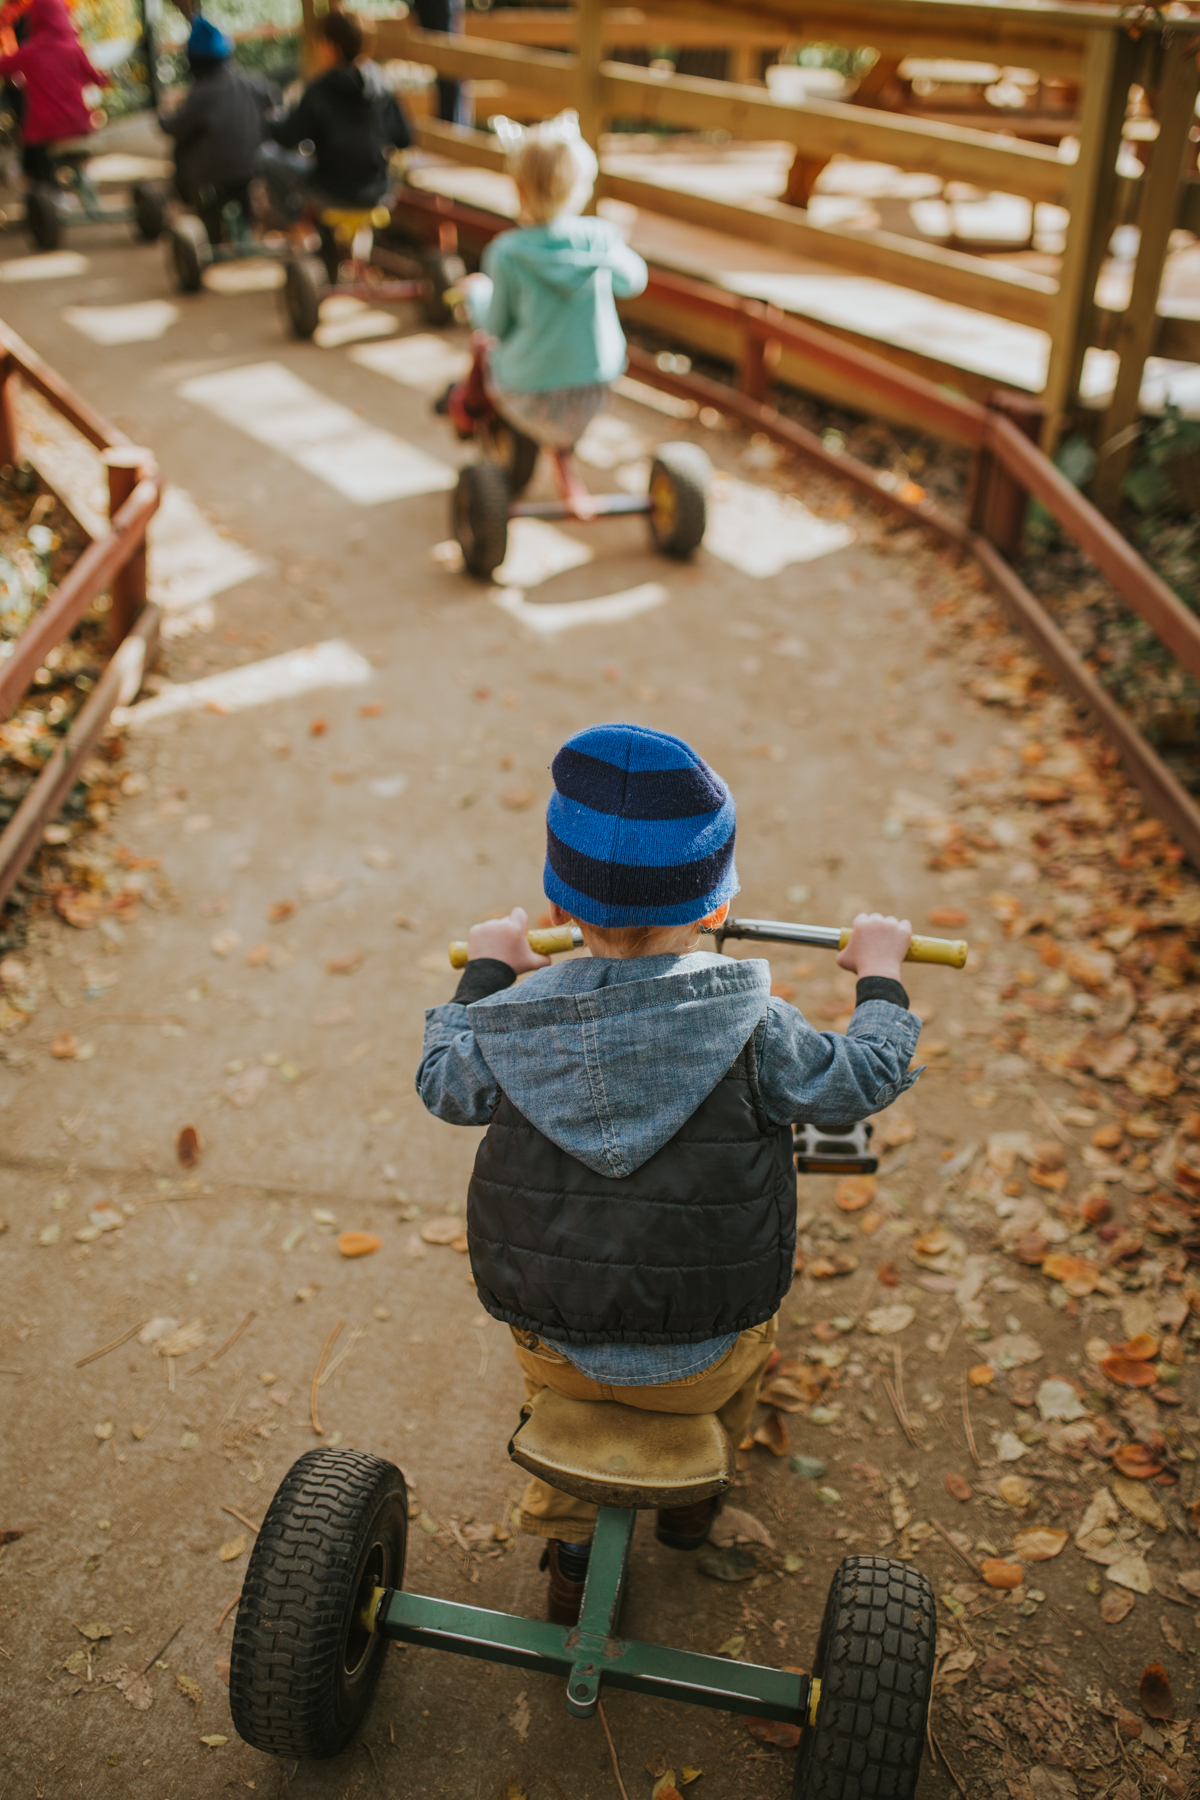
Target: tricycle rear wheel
[(43, 218), (875, 1665), (479, 518), (304, 1666), (678, 516), (305, 281)]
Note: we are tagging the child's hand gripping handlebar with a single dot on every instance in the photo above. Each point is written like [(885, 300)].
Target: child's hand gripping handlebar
[(950, 952)]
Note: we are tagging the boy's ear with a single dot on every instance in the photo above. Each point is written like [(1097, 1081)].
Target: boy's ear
[(713, 919), (558, 916)]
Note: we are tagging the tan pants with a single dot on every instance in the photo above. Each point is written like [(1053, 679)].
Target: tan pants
[(728, 1388)]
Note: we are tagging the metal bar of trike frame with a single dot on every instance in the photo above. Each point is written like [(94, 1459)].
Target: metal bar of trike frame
[(604, 506), (547, 1649)]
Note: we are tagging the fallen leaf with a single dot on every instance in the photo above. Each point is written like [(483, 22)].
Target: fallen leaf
[(1128, 1372), (774, 1731), (728, 1565), (214, 1740), (1058, 1400), (64, 1046), (132, 1686), (520, 1718), (957, 1486), (187, 1147), (982, 1375), (1013, 1491), (359, 1243), (823, 1267), (1115, 1605), (1076, 1273), (188, 1337), (1154, 1693), (1142, 1348), (1189, 1581), (189, 1688), (772, 1434), (855, 1192), (1139, 1501), (1135, 1461), (996, 1672), (94, 1631), (950, 918), (733, 1646), (512, 1790), (442, 1231), (886, 1321), (233, 1549), (1009, 1447), (1130, 1571), (10, 1533), (732, 1526), (1038, 1543), (225, 943), (998, 1573), (345, 965), (104, 1430), (1173, 1636)]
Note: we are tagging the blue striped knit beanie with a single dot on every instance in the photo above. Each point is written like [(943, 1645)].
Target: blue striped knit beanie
[(639, 830)]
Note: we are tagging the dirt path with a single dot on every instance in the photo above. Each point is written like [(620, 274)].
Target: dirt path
[(314, 852)]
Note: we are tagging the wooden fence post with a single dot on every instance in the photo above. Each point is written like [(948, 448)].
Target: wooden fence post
[(590, 81), (1157, 211), (1108, 71), (126, 465), (1000, 503), (10, 443)]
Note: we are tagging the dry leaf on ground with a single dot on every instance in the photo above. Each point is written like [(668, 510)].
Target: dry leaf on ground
[(132, 1686), (774, 1731), (855, 1192), (1154, 1693), (1038, 1543), (1115, 1605), (359, 1243), (998, 1573), (957, 1486), (886, 1321)]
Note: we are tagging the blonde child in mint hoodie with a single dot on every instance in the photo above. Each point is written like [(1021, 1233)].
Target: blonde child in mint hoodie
[(546, 296)]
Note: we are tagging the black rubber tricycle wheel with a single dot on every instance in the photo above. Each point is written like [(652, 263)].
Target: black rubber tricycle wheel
[(303, 1666), (443, 274), (509, 450), (679, 478), (875, 1665), (149, 211), (479, 518), (190, 252), (305, 280), (43, 218)]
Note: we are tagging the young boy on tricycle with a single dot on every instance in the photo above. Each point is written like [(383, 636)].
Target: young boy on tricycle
[(632, 1213)]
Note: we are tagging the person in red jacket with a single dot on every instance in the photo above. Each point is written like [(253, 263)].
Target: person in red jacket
[(52, 70)]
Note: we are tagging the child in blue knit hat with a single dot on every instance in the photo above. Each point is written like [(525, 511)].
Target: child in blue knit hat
[(632, 1213)]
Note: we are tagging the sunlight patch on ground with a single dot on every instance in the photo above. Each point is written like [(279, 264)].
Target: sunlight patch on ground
[(537, 551), (256, 275), (276, 408), (761, 532), (609, 440), (344, 320), (331, 664), (141, 322), (425, 362), (549, 618), (56, 265), (190, 562)]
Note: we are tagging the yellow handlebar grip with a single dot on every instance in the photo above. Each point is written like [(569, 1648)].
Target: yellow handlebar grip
[(552, 942), (950, 952)]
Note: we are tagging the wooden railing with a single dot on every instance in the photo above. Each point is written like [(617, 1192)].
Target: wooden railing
[(1009, 470), (116, 562), (1103, 48)]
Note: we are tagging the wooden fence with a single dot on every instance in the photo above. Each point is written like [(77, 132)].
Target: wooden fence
[(1103, 49), (116, 562)]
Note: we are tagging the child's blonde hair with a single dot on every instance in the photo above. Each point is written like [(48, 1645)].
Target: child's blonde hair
[(550, 163)]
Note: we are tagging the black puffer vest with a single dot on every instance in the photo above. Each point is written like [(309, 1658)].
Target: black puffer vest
[(697, 1242)]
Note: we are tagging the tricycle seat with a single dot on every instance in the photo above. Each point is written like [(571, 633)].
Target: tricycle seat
[(615, 1455)]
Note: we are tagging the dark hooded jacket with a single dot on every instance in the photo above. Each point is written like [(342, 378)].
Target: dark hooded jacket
[(352, 119), (218, 131), (52, 69)]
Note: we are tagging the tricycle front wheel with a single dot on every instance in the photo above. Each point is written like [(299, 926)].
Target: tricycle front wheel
[(304, 1665), (875, 1665)]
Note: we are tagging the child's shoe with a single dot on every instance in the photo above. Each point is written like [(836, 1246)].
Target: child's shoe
[(686, 1527), (568, 1566)]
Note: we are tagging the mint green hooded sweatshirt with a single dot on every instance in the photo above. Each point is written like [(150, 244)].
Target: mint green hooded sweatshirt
[(551, 304)]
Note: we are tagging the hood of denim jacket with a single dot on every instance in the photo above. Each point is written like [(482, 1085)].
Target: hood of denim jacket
[(608, 1058)]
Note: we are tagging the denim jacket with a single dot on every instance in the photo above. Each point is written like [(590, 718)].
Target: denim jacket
[(608, 1057)]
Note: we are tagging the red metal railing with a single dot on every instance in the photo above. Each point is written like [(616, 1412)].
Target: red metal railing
[(116, 561), (1009, 469)]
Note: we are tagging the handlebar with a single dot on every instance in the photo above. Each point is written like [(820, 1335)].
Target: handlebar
[(950, 953)]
